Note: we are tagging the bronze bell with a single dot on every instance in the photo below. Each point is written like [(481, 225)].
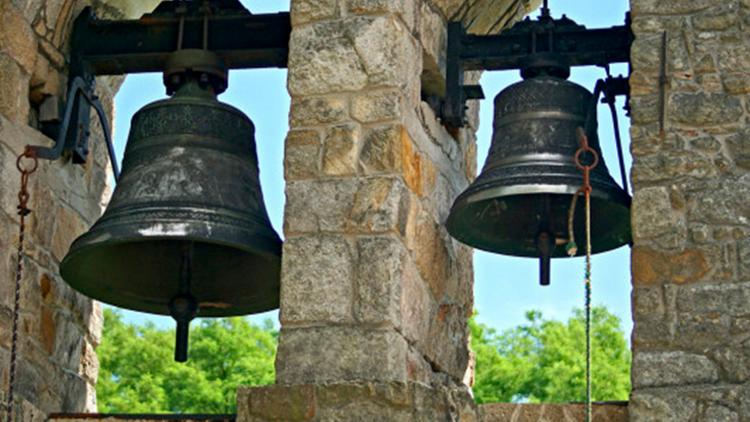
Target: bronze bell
[(519, 203), (186, 232)]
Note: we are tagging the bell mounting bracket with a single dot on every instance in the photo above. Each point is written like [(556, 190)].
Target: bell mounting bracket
[(99, 47), (542, 45)]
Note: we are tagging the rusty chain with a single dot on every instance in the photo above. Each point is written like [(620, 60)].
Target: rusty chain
[(26, 169)]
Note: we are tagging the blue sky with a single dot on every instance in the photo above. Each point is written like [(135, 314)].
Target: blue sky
[(505, 287)]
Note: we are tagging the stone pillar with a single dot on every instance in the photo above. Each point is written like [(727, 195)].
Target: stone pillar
[(59, 329), (373, 288), (691, 212), (375, 295)]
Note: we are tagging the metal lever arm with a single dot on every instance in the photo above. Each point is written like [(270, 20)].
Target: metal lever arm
[(79, 89)]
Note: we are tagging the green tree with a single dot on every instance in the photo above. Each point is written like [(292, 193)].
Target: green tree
[(138, 374), (544, 360)]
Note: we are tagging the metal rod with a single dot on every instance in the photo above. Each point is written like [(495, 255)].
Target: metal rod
[(545, 243), (206, 10), (663, 84), (618, 141), (545, 8), (183, 306), (181, 341), (181, 32)]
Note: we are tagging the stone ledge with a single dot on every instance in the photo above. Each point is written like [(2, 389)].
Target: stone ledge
[(514, 412), (360, 401), (135, 417)]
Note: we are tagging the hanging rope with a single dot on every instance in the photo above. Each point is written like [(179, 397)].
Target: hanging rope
[(572, 248), (23, 210)]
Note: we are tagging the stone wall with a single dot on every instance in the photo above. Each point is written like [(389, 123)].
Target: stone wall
[(516, 412), (691, 212), (59, 329), (375, 295), (373, 288)]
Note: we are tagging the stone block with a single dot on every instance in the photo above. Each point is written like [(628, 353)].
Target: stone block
[(317, 280), (341, 150), (661, 406), (655, 219), (379, 277), (675, 368), (355, 401), (306, 11), (431, 254), (377, 106), (674, 166), (644, 109), (89, 363), (316, 111), (725, 298), (68, 227), (94, 323), (319, 205), (447, 339), (698, 331), (500, 412), (276, 403), (382, 149), (371, 402), (380, 205), (406, 10), (723, 203), (323, 59), (650, 266), (433, 36), (739, 147), (699, 108), (716, 19), (412, 165), (340, 353), (736, 83), (14, 91), (733, 361), (44, 213), (417, 310), (302, 155), (669, 7), (733, 56), (387, 51), (17, 38)]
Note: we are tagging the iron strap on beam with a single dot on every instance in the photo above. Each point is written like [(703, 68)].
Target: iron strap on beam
[(560, 40), (240, 39), (579, 47), (114, 47)]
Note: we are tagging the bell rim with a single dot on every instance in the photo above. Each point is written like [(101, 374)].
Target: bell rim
[(204, 312), (490, 192), (454, 226)]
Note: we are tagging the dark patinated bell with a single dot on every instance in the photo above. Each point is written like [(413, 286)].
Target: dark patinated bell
[(186, 232), (519, 203)]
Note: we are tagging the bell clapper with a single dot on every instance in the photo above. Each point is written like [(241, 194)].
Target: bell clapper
[(546, 244), (183, 306)]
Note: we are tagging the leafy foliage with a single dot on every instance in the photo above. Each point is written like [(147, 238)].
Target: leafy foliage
[(539, 361), (138, 373), (544, 360)]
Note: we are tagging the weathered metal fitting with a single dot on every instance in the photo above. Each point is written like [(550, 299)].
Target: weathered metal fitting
[(203, 66)]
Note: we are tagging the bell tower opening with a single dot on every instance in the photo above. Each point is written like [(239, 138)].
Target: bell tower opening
[(225, 353), (514, 313)]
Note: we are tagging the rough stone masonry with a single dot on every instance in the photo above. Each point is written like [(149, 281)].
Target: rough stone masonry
[(375, 294), (691, 212), (59, 328)]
